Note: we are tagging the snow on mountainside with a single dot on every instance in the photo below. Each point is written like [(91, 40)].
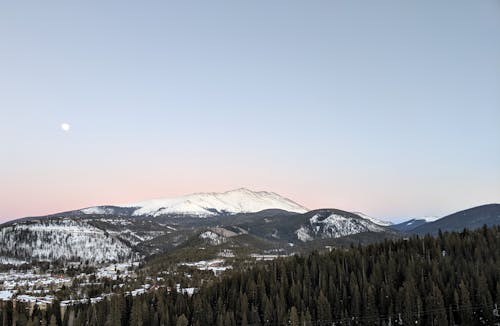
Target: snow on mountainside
[(65, 238), (212, 238), (327, 224), (97, 211), (373, 219), (429, 218), (207, 204), (414, 223)]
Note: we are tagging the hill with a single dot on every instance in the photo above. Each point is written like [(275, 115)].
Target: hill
[(472, 218)]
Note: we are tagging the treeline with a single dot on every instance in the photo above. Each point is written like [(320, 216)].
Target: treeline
[(451, 279)]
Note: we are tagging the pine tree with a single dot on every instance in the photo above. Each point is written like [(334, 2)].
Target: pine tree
[(293, 317), (324, 314), (115, 314), (436, 308), (53, 321), (465, 305), (182, 321), (306, 318), (136, 318)]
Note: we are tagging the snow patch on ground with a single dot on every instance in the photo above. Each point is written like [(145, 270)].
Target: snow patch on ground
[(216, 266), (11, 261), (7, 295), (97, 211), (429, 218), (212, 238), (303, 234)]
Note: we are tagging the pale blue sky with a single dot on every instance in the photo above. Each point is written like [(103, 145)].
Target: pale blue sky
[(386, 107)]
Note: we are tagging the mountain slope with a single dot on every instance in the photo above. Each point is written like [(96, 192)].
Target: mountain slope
[(203, 205), (334, 223), (316, 224), (67, 239), (373, 219), (239, 220), (409, 225), (117, 233), (471, 218)]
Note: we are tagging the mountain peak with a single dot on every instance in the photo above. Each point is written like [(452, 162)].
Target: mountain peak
[(241, 200), (244, 190)]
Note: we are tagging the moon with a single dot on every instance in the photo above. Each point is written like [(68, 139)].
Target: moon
[(65, 126)]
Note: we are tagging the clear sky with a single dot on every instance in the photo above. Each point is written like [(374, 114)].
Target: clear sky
[(387, 107)]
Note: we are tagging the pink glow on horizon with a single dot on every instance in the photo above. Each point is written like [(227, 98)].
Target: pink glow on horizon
[(40, 193), (43, 205)]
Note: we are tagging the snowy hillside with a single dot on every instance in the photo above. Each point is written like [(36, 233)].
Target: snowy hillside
[(413, 223), (207, 204), (429, 218), (212, 238), (66, 239), (373, 219), (326, 224)]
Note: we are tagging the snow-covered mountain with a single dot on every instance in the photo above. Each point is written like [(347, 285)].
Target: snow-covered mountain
[(204, 205), (335, 224), (243, 217), (116, 233), (257, 221)]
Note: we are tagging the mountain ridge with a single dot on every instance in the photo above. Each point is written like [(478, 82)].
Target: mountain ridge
[(201, 204), (253, 221), (471, 218)]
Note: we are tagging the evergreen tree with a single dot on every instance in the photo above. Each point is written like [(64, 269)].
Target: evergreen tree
[(324, 314), (294, 317), (136, 318), (53, 321), (182, 321)]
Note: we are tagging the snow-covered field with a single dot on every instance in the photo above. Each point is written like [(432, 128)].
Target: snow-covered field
[(7, 294), (216, 266), (31, 280)]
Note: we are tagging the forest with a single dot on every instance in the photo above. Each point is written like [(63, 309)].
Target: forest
[(449, 279)]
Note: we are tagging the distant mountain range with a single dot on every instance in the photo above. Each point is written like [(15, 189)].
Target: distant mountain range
[(411, 224), (240, 220)]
